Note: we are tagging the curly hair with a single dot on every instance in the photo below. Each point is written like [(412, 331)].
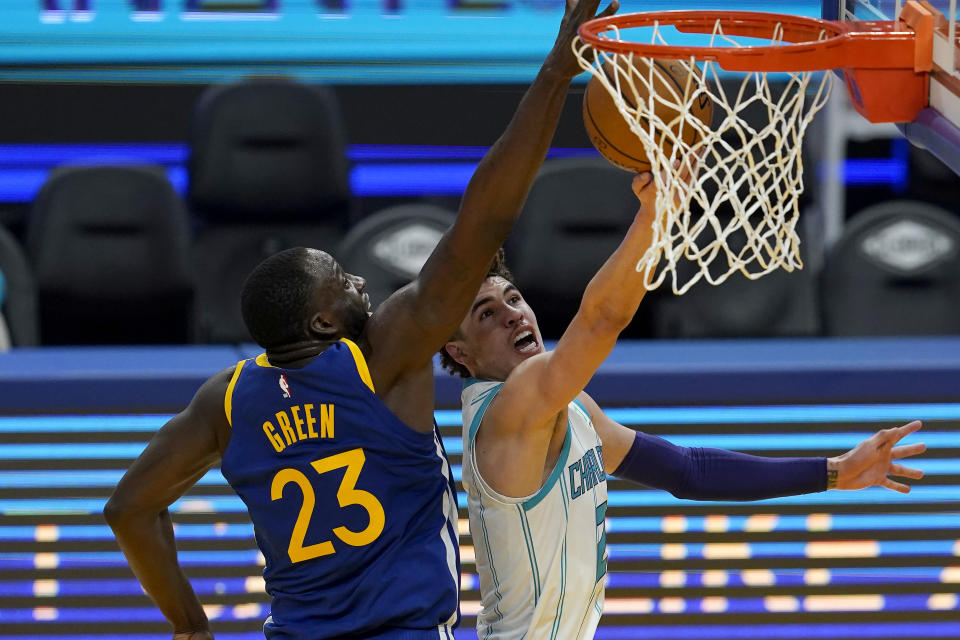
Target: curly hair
[(498, 268)]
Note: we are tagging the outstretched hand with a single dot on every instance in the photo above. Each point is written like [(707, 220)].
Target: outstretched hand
[(561, 56), (871, 462)]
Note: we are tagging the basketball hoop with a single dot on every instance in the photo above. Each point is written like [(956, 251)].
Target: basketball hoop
[(739, 210)]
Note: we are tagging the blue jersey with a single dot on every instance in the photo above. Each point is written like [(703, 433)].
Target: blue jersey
[(353, 510)]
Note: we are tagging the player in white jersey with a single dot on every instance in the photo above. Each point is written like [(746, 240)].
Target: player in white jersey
[(550, 585), (537, 450)]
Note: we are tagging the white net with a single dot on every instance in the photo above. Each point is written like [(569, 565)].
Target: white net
[(727, 191)]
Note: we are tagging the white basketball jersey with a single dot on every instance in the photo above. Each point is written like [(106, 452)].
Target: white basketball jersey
[(542, 559)]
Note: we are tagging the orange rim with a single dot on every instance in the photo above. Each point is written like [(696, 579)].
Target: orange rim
[(804, 44)]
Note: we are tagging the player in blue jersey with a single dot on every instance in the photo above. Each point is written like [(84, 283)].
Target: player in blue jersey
[(537, 450), (328, 437)]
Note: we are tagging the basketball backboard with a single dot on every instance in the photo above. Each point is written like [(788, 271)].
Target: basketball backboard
[(936, 128)]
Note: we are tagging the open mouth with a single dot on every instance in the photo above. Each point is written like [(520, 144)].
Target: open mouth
[(525, 342)]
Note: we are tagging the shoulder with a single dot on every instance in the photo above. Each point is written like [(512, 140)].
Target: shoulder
[(518, 404), (204, 420), (208, 402), (218, 381), (476, 390), (380, 340), (589, 405), (475, 399)]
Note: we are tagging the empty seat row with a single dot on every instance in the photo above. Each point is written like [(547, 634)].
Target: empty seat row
[(112, 258), (267, 169), (894, 271)]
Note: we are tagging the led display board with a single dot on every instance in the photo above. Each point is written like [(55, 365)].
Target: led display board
[(338, 41)]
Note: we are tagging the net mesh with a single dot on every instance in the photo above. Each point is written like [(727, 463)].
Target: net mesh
[(728, 191)]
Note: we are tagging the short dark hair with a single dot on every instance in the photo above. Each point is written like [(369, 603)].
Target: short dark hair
[(498, 268), (275, 298)]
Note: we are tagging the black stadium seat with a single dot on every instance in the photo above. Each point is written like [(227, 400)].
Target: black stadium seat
[(109, 248), (224, 256), (388, 247), (576, 214), (894, 271), (268, 171), (778, 304), (269, 150), (19, 306)]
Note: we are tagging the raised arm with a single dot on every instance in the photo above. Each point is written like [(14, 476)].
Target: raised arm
[(609, 303), (178, 455), (414, 323), (697, 473)]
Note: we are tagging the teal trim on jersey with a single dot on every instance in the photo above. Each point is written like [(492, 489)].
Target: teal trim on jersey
[(483, 395), (563, 589), (531, 554), (594, 605), (586, 414), (493, 571), (556, 473), (601, 511), (563, 561), (469, 382), (566, 499), (478, 417)]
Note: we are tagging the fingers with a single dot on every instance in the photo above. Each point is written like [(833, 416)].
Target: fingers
[(906, 472), (907, 429), (641, 182), (893, 485), (889, 437), (610, 10), (588, 8), (687, 170), (907, 450), (689, 165)]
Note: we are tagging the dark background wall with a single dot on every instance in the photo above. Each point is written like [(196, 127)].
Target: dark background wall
[(467, 114)]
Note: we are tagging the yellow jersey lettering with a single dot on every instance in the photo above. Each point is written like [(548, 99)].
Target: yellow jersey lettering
[(299, 423), (308, 415), (297, 420), (272, 436), (326, 421), (284, 423)]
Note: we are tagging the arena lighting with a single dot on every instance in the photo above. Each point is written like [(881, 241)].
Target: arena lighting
[(890, 171), (378, 170), (794, 631), (334, 41), (766, 414), (175, 153), (809, 559)]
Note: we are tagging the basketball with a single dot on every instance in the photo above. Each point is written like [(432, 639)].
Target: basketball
[(609, 131)]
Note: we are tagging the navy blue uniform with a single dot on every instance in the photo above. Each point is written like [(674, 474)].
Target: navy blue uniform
[(352, 509)]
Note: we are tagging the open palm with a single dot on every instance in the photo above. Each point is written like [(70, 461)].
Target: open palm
[(871, 462)]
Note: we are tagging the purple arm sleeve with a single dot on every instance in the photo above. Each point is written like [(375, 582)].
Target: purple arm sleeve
[(716, 474)]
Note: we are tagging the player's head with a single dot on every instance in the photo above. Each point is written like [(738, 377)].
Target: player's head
[(302, 295), (498, 333)]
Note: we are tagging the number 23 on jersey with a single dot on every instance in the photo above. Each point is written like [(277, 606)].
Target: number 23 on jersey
[(347, 494)]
